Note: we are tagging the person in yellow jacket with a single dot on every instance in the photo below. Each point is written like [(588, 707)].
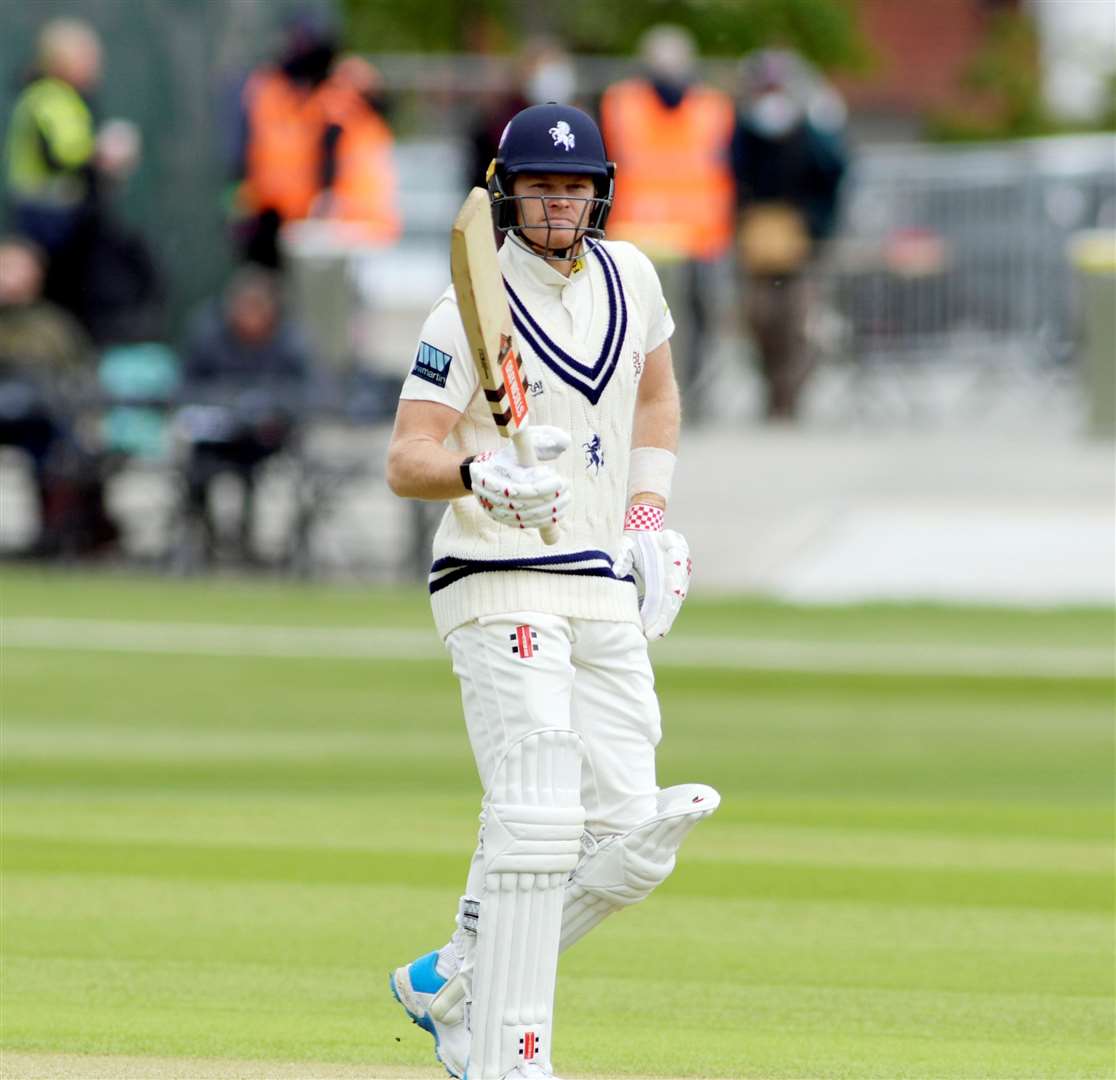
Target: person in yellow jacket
[(52, 140), (670, 137)]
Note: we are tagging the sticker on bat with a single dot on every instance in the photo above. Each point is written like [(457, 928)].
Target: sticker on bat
[(513, 380)]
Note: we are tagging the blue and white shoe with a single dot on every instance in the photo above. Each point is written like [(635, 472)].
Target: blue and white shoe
[(437, 1005)]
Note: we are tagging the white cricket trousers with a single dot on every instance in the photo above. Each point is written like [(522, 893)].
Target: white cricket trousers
[(527, 670)]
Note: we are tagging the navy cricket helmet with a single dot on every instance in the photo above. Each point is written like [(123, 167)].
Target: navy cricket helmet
[(550, 138)]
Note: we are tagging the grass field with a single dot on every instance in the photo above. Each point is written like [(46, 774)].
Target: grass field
[(217, 842)]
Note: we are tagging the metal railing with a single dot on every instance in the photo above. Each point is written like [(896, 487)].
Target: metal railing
[(946, 249)]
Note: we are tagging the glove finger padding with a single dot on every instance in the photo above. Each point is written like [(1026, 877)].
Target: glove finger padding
[(660, 562), (625, 560), (520, 496), (517, 485), (677, 572), (533, 516)]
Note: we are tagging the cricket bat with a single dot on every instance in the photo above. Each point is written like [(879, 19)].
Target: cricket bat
[(488, 326)]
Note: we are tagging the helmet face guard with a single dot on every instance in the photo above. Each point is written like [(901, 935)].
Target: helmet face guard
[(545, 140), (507, 219)]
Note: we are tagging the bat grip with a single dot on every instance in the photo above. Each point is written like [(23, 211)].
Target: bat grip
[(525, 455)]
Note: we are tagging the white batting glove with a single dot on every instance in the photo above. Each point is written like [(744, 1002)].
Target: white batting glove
[(519, 497), (660, 561)]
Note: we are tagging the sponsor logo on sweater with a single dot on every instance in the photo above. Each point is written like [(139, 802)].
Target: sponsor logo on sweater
[(432, 364)]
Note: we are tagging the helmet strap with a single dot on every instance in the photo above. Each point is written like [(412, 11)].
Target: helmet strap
[(565, 254), (550, 254)]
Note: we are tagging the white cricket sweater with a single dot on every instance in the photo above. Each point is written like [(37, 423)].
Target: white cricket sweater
[(583, 340)]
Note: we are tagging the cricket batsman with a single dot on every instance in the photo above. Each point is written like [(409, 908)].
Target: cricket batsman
[(549, 643)]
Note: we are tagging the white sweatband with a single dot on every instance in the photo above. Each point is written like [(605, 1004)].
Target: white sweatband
[(651, 469)]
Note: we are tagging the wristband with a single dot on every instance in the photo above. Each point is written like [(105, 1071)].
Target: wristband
[(466, 476), (650, 469), (641, 517)]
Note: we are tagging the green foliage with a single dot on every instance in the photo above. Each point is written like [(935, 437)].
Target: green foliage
[(433, 26), (1008, 69), (1107, 119), (825, 31), (1000, 95)]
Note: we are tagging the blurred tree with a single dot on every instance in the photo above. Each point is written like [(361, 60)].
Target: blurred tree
[(1000, 95), (825, 31), (1107, 120), (433, 26), (1008, 69)]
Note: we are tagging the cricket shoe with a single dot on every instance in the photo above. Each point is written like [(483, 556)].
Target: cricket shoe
[(529, 1072), (437, 1005)]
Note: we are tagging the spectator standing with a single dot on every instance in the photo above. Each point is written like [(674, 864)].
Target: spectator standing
[(60, 171), (358, 187), (788, 159), (247, 374), (313, 143), (51, 152), (544, 72), (51, 138), (670, 137)]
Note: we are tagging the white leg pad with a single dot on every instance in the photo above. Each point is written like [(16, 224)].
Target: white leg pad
[(533, 824), (624, 869)]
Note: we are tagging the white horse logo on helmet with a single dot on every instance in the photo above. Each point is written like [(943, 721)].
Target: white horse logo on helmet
[(562, 135)]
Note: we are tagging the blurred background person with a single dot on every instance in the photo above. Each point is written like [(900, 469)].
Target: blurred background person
[(358, 181), (123, 294), (52, 138), (670, 137), (788, 161), (47, 382), (278, 136), (62, 174), (544, 71), (247, 383), (312, 142)]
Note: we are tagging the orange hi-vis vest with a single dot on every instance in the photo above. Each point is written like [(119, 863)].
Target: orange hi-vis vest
[(286, 153), (364, 186), (283, 158), (675, 193)]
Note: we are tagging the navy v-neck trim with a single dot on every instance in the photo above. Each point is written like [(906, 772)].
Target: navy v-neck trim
[(590, 380)]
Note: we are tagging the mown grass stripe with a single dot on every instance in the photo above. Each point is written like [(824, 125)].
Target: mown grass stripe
[(1058, 889), (685, 650)]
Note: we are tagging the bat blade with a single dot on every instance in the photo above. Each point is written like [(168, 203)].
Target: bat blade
[(479, 284), (485, 313)]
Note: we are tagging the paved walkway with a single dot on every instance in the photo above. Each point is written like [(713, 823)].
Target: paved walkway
[(816, 516)]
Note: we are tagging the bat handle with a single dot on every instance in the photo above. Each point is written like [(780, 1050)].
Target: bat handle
[(525, 455)]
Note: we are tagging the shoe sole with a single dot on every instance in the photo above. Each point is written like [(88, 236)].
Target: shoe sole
[(423, 1022)]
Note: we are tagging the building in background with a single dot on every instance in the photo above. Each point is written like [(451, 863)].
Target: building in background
[(981, 67)]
